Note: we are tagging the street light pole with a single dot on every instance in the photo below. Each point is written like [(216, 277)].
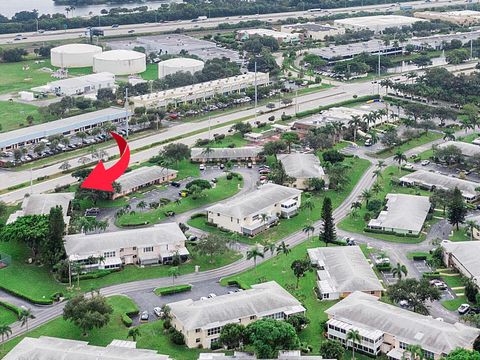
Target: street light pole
[(256, 90), (126, 108)]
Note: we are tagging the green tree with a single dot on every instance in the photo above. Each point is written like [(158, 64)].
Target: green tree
[(254, 254), (52, 247), (331, 349), (176, 152), (470, 291), (134, 333), (174, 272), (274, 147), (308, 229), (290, 138), (456, 208), (232, 335), (463, 354), (5, 332), (24, 315), (327, 234), (400, 157), (415, 292), (399, 271), (415, 351), (212, 245), (242, 128), (354, 337), (88, 313), (471, 225), (300, 268)]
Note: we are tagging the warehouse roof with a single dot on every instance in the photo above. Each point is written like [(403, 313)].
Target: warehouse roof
[(60, 126), (261, 300), (310, 26), (339, 51), (226, 153), (367, 311), (161, 234), (466, 148), (403, 212), (40, 204), (466, 253), (47, 348), (440, 181), (301, 165), (142, 176), (267, 195), (78, 81), (346, 269), (378, 21)]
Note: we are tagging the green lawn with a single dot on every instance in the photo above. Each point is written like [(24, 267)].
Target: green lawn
[(468, 138), (459, 235), (423, 139), (151, 73), (235, 140), (7, 316), (224, 189), (454, 281), (13, 114), (453, 304), (356, 223), (296, 223)]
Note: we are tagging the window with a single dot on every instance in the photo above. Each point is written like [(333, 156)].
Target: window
[(197, 330), (109, 254), (148, 249), (326, 296), (197, 340), (403, 345), (134, 248), (121, 250), (255, 217), (252, 317), (214, 331)]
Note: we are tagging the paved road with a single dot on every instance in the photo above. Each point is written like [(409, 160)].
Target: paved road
[(210, 23)]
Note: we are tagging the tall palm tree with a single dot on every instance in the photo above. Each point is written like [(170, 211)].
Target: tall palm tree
[(366, 195), (399, 271), (355, 122), (283, 249), (270, 247), (142, 205), (24, 316), (373, 136), (308, 228), (381, 164), (355, 338), (472, 225), (309, 205), (377, 173), (264, 218), (254, 254), (376, 188), (399, 157), (134, 333), (5, 332)]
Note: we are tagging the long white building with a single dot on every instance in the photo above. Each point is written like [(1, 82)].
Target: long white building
[(377, 23), (201, 91), (79, 85)]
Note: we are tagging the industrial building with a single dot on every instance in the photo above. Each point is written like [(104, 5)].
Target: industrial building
[(40, 204), (463, 256), (257, 210), (78, 85), (277, 35), (175, 65), (389, 329), (201, 91), (376, 24), (120, 62), (46, 347), (201, 321), (302, 167), (142, 177), (33, 134), (335, 278), (403, 214), (467, 149), (247, 153), (313, 31), (438, 41), (431, 181), (74, 55), (174, 44), (111, 250), (460, 17)]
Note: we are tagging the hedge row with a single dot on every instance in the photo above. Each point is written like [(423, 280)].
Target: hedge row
[(376, 231), (383, 267), (127, 317), (11, 307), (431, 275), (341, 103), (30, 299), (419, 257), (172, 289)]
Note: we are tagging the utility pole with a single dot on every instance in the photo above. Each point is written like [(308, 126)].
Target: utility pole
[(256, 90), (126, 108), (378, 75), (471, 48)]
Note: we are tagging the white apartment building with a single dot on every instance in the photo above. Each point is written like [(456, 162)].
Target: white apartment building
[(245, 215), (201, 321), (302, 167)]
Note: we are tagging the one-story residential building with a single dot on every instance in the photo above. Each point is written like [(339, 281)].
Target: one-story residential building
[(463, 256), (201, 321), (431, 181), (40, 204), (467, 149), (245, 215), (302, 167), (111, 250), (246, 153), (403, 214), (343, 270), (389, 329), (282, 355), (142, 177), (46, 347), (79, 85)]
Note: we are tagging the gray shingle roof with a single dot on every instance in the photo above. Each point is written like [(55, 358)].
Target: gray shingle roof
[(466, 148), (346, 268), (467, 253), (142, 176), (226, 153), (261, 299), (267, 195), (301, 165), (404, 212), (48, 348), (367, 311)]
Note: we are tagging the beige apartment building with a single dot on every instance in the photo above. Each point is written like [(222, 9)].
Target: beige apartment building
[(201, 321), (112, 250), (256, 211)]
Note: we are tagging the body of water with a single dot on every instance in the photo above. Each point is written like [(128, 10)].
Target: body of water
[(8, 8)]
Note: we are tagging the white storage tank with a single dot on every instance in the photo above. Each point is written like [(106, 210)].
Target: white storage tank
[(120, 62), (74, 55), (172, 66)]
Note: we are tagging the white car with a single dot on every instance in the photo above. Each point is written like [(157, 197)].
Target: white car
[(202, 167), (158, 311), (463, 309), (203, 298), (425, 162)]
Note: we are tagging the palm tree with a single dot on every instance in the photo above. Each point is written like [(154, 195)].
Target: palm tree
[(308, 204), (381, 164), (416, 352), (5, 332), (308, 228), (449, 134), (376, 188), (472, 225), (254, 254), (269, 247), (207, 151), (366, 195), (373, 136), (134, 333), (377, 173), (142, 205), (399, 157), (399, 271), (283, 249), (24, 316), (264, 218), (355, 122), (173, 272), (355, 338)]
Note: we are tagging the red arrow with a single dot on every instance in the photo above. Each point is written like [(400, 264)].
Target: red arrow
[(101, 178)]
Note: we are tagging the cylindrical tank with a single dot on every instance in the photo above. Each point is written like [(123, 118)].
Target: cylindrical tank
[(172, 66), (74, 55), (120, 62)]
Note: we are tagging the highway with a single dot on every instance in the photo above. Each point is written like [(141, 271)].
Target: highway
[(171, 26)]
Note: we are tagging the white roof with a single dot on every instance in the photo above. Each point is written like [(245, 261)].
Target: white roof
[(346, 269), (40, 204), (366, 311), (301, 165), (142, 176), (466, 253), (120, 55), (403, 212), (268, 32), (226, 153), (49, 348), (181, 62), (378, 20), (77, 49), (267, 195), (78, 81), (466, 148), (81, 245), (441, 181), (261, 300)]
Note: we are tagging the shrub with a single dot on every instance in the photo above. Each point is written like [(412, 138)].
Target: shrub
[(201, 183), (375, 206), (198, 215), (229, 176), (176, 337), (127, 320), (30, 299), (167, 324), (367, 217), (419, 257), (172, 289), (11, 307)]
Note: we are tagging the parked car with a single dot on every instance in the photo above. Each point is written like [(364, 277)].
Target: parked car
[(212, 295), (92, 212), (203, 298), (192, 238), (144, 316), (463, 309), (249, 165), (202, 167), (404, 304), (158, 311), (425, 162), (175, 183), (439, 284)]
